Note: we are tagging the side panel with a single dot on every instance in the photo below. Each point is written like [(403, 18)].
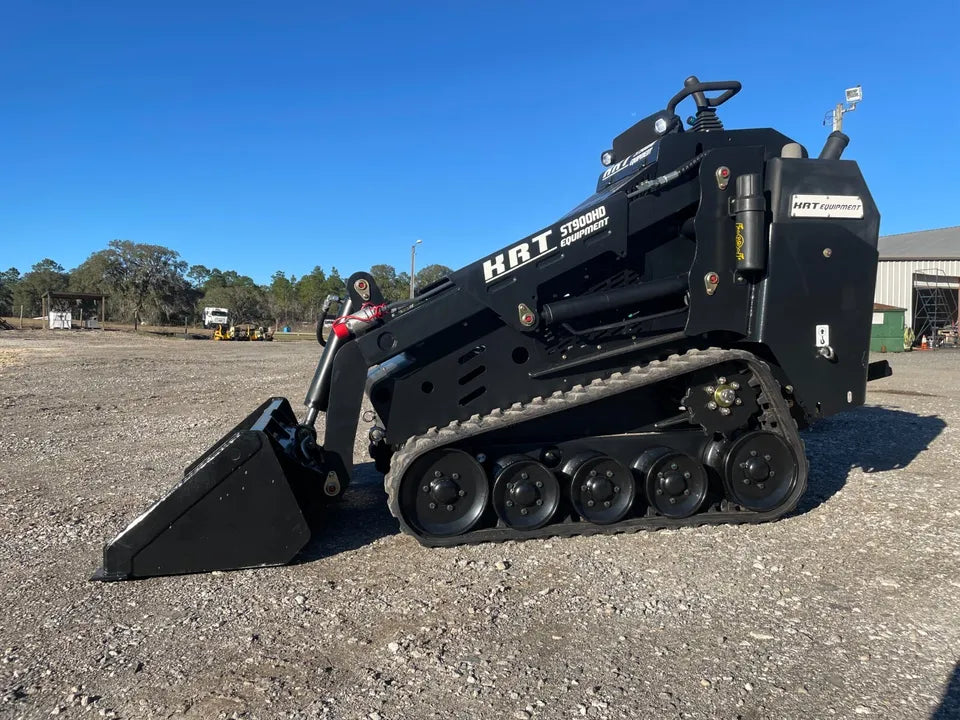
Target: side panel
[(820, 284)]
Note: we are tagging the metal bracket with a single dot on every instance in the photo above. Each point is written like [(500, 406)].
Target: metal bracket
[(527, 317), (363, 288), (710, 282), (332, 486), (723, 177)]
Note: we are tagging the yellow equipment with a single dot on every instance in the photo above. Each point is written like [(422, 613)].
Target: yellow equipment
[(244, 332)]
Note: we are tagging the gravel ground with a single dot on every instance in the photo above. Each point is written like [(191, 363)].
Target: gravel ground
[(849, 607)]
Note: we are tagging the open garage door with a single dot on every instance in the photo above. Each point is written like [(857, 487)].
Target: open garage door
[(935, 302)]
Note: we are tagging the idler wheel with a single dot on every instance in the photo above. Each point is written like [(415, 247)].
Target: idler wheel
[(444, 493), (602, 489), (675, 483), (525, 493), (759, 470)]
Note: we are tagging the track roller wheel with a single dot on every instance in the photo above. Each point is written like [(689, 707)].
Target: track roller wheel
[(759, 470), (444, 493), (676, 484), (525, 493), (601, 488)]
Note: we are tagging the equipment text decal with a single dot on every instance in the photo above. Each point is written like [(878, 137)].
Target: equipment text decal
[(828, 206), (583, 226)]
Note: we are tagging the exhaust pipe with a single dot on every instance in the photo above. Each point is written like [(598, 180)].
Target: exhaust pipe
[(834, 146)]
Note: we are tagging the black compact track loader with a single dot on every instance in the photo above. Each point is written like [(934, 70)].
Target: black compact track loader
[(644, 362)]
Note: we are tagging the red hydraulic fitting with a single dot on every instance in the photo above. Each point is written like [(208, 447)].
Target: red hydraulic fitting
[(359, 322)]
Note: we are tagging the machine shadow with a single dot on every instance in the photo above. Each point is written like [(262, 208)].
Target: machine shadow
[(872, 438), (949, 707), (360, 518)]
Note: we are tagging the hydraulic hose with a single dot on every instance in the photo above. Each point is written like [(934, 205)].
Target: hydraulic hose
[(319, 392), (649, 186), (324, 312), (401, 304)]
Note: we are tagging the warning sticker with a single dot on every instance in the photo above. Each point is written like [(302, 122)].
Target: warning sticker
[(823, 335)]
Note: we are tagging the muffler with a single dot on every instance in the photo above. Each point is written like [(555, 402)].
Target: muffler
[(249, 501)]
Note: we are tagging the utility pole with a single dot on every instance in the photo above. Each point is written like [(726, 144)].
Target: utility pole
[(413, 263)]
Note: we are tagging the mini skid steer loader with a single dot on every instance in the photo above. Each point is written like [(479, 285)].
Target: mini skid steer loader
[(644, 362)]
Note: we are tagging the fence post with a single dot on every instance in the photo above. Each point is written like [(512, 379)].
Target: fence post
[(21, 316)]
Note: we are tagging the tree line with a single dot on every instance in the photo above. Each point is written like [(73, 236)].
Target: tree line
[(153, 284)]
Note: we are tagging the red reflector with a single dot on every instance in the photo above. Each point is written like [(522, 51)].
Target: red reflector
[(714, 279), (341, 330)]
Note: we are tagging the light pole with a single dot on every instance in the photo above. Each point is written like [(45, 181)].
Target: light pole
[(413, 261), (853, 96)]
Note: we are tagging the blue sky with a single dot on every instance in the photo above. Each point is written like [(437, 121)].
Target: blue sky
[(264, 136)]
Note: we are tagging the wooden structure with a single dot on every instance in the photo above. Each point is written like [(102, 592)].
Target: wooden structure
[(50, 297)]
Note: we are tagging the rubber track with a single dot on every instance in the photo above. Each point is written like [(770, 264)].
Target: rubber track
[(775, 417)]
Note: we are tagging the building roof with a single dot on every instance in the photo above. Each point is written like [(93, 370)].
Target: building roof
[(881, 307), (942, 244), (64, 295)]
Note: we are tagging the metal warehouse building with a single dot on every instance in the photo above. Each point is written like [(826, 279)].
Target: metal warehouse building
[(920, 271)]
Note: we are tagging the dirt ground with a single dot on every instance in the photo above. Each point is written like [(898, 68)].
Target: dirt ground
[(848, 607)]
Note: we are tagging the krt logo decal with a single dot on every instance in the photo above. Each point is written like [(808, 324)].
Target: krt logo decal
[(638, 157), (826, 206), (739, 240), (519, 255)]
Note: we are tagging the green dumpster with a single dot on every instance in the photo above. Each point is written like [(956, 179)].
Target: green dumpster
[(886, 334)]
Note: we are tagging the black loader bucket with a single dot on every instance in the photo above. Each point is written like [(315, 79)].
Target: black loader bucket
[(246, 502)]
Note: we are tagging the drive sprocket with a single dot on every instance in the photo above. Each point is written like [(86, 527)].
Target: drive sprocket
[(723, 404)]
